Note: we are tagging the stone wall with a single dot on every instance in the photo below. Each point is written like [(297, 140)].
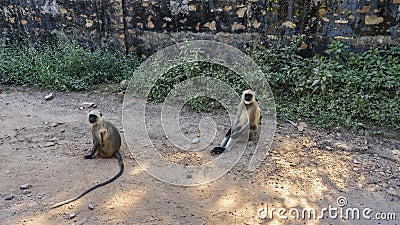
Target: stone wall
[(145, 25)]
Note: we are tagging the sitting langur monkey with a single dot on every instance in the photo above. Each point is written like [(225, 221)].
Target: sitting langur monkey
[(106, 143), (242, 122)]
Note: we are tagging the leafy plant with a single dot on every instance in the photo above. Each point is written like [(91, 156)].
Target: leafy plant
[(188, 70), (62, 66), (355, 90)]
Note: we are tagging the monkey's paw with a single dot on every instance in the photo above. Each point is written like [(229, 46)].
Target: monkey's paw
[(217, 150), (88, 156)]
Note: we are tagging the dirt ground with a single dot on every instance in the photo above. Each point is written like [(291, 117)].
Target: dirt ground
[(42, 144)]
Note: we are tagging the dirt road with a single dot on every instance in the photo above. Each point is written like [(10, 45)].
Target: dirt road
[(42, 144)]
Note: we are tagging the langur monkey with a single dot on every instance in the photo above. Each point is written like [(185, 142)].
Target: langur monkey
[(106, 143), (248, 116)]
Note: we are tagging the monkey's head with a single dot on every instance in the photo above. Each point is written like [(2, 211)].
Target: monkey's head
[(248, 97), (94, 116)]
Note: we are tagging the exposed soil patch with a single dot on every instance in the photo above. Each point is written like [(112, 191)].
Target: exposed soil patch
[(42, 144)]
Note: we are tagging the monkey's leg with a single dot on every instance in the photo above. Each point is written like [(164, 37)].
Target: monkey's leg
[(230, 144), (94, 148), (221, 148), (226, 138), (252, 134), (235, 135)]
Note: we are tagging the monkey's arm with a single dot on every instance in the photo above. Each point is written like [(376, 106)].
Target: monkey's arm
[(94, 148), (102, 136)]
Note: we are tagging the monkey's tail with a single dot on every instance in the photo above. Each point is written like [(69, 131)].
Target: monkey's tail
[(121, 170)]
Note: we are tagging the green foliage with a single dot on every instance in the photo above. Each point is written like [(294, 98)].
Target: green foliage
[(355, 90), (204, 104), (62, 66), (188, 70)]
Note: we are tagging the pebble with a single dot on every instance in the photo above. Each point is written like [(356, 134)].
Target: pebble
[(71, 216), (88, 105), (49, 96), (49, 144), (8, 197), (301, 126), (195, 140), (90, 206), (39, 196), (25, 192), (25, 186)]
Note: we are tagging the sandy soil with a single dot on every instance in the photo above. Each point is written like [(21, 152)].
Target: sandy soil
[(42, 143)]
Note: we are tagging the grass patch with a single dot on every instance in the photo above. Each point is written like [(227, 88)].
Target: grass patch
[(63, 66)]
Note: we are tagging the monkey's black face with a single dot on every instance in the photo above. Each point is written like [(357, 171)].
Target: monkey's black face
[(92, 118), (248, 97)]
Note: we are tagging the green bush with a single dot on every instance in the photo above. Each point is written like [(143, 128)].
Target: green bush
[(355, 90), (189, 70), (62, 66)]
